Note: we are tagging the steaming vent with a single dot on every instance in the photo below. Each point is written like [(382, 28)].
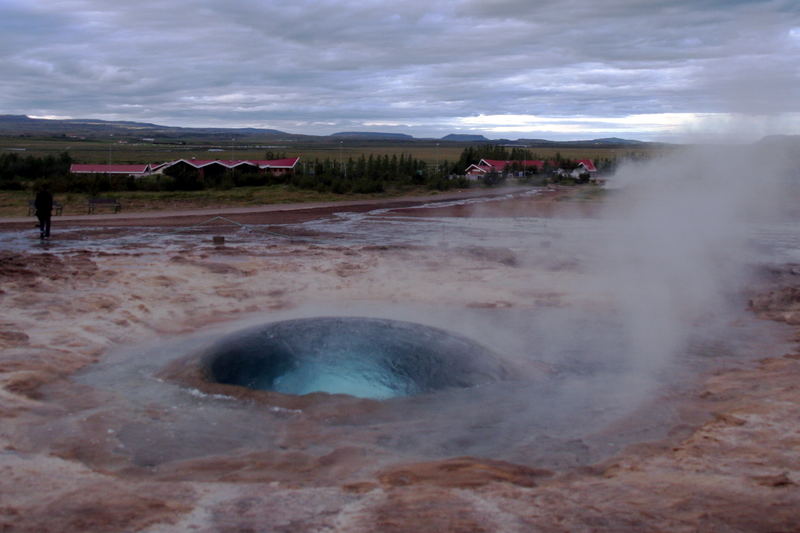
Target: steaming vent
[(363, 357)]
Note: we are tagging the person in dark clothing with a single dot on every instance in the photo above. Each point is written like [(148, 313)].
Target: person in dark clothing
[(44, 210)]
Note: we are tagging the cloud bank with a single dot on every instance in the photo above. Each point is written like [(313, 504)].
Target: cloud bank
[(565, 69)]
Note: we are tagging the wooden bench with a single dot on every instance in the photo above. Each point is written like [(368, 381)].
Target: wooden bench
[(113, 203), (57, 207)]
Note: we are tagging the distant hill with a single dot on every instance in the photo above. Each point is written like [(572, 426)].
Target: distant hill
[(605, 142), (615, 141), (463, 137), (21, 124), (123, 129), (374, 135)]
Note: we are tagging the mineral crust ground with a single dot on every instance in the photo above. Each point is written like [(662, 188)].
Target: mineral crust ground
[(730, 460)]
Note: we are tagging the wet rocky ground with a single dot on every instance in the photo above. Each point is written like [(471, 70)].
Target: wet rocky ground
[(725, 458)]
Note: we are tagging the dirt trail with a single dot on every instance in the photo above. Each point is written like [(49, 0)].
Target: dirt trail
[(264, 214)]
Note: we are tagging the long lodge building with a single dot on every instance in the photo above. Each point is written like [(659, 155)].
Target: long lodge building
[(203, 167)]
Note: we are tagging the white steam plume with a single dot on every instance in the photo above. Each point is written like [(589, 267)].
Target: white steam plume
[(678, 246)]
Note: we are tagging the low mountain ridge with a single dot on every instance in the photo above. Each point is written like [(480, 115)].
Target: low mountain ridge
[(464, 137), (373, 135), (25, 125)]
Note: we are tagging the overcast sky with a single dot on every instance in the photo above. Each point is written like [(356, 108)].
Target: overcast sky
[(556, 69)]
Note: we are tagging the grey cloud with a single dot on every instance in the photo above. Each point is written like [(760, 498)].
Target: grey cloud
[(345, 62)]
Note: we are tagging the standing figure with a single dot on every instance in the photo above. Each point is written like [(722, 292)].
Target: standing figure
[(44, 210)]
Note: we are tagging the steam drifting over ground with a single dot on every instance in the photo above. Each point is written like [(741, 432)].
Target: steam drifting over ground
[(681, 241), (612, 317)]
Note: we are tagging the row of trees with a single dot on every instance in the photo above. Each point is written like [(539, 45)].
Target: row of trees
[(472, 155), (364, 174), (17, 171), (375, 173)]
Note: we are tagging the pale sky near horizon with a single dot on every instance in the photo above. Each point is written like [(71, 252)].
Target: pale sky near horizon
[(556, 69)]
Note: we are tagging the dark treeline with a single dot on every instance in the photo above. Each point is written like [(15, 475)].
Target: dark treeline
[(17, 171), (374, 173), (28, 172), (365, 174), (473, 154)]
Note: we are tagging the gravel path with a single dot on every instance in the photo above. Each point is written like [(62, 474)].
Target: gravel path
[(264, 214)]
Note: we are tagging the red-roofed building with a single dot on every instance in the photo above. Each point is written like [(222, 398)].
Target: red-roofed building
[(275, 167), (121, 170), (488, 166), (583, 167), (287, 163)]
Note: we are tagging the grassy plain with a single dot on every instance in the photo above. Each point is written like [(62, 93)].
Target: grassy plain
[(114, 150), (15, 203), (129, 151)]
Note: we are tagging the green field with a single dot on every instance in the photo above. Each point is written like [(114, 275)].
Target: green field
[(15, 203), (112, 151), (116, 150)]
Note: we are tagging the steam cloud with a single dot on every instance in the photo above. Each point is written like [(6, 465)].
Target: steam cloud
[(679, 246)]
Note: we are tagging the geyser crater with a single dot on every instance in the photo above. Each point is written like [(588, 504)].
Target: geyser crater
[(362, 357)]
